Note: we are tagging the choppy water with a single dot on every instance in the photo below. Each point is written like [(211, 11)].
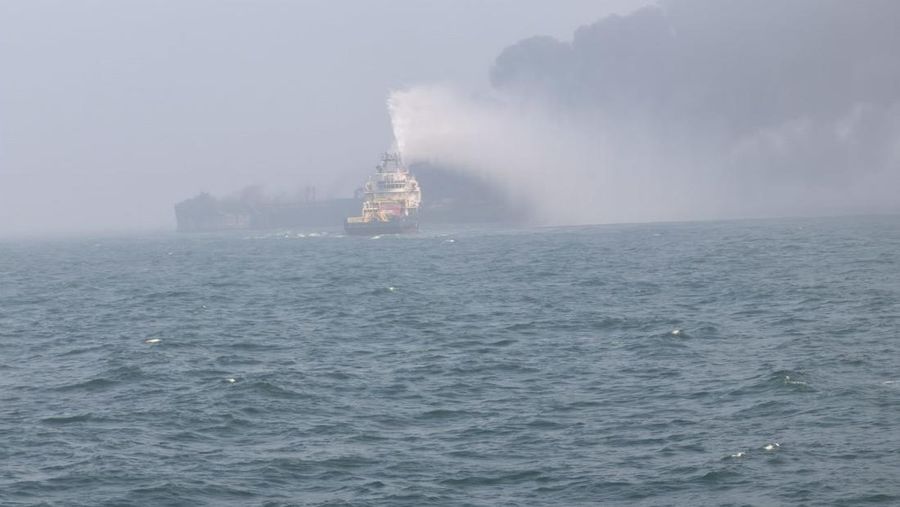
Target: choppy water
[(740, 363)]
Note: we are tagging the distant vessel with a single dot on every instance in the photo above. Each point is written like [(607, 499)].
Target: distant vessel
[(253, 210), (455, 196), (391, 201)]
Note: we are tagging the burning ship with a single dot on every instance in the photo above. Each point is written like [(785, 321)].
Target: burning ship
[(391, 201)]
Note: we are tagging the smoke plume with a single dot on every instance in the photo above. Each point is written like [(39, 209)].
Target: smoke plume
[(689, 109)]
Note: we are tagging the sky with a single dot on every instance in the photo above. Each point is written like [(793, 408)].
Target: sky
[(113, 110), (591, 111)]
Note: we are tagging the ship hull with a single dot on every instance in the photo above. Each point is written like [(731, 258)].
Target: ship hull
[(376, 227)]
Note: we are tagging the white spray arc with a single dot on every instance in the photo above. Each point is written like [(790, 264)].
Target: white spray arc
[(567, 172)]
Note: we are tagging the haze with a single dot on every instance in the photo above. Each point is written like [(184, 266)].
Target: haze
[(112, 111)]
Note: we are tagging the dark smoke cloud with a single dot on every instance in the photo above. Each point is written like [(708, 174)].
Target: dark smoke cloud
[(743, 63), (689, 109)]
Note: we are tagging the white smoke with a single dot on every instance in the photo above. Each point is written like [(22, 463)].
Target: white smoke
[(578, 169), (568, 171), (523, 149)]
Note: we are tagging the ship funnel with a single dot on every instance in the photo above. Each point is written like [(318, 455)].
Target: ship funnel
[(390, 161)]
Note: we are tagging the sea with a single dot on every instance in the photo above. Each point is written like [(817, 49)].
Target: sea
[(751, 362)]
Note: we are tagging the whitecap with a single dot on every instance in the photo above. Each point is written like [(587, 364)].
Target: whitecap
[(152, 341), (771, 447)]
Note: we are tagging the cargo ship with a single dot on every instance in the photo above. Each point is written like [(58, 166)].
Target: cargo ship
[(390, 201), (252, 209)]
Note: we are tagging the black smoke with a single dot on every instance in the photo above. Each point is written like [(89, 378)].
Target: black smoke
[(743, 64)]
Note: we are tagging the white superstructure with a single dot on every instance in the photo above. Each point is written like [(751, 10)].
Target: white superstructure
[(391, 194)]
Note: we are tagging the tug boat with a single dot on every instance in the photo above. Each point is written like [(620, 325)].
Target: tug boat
[(391, 201)]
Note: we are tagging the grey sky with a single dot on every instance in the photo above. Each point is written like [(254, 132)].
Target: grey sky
[(112, 110)]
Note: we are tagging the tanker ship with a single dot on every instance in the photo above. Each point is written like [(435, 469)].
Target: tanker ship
[(391, 202)]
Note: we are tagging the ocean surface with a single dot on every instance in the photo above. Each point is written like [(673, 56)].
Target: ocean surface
[(726, 363)]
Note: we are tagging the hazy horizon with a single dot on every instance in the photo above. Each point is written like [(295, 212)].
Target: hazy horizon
[(112, 112)]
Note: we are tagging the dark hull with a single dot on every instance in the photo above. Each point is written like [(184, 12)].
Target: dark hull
[(374, 228), (205, 213)]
